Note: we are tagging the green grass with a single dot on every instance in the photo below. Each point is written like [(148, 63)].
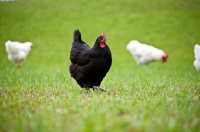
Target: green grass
[(41, 95)]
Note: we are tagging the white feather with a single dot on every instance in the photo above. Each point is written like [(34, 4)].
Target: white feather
[(17, 51), (143, 53), (197, 51), (197, 57)]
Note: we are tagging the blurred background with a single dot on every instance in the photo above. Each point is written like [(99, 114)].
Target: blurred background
[(170, 25)]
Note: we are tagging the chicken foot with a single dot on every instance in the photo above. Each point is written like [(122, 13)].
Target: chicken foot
[(98, 88)]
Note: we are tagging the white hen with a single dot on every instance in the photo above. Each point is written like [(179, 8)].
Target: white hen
[(197, 57), (144, 54), (17, 51)]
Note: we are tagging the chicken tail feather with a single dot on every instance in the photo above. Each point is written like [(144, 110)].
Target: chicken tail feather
[(77, 35)]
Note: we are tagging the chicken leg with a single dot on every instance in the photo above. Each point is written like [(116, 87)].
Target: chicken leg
[(98, 88), (18, 63)]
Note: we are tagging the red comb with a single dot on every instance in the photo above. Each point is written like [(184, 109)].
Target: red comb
[(103, 34)]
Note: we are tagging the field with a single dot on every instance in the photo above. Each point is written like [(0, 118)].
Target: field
[(41, 95)]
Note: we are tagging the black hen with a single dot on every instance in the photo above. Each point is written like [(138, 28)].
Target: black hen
[(89, 65)]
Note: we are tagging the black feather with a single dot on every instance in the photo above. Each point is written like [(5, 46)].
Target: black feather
[(89, 65)]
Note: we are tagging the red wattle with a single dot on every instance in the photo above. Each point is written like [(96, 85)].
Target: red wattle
[(102, 45)]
